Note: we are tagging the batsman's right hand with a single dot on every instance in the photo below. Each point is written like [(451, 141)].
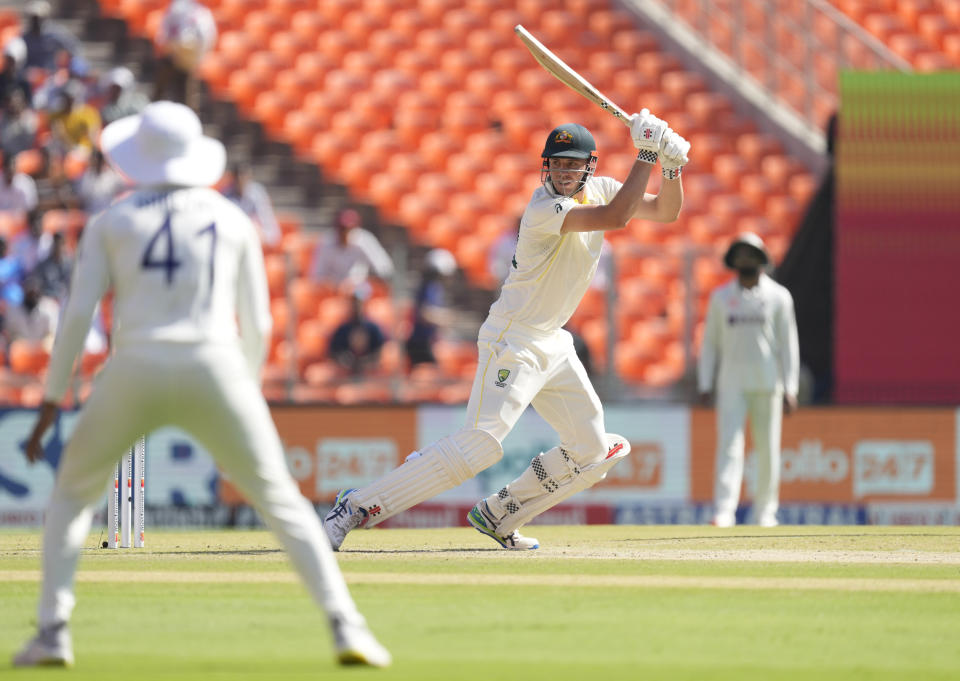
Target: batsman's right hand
[(647, 131)]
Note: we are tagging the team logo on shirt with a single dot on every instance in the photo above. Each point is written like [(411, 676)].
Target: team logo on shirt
[(502, 376), (558, 207), (563, 137)]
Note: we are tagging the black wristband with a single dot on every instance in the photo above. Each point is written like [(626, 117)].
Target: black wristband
[(647, 156)]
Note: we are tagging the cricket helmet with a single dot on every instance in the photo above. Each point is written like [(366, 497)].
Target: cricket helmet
[(570, 140)]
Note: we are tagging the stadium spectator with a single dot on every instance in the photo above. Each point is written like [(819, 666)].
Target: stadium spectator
[(750, 342), (18, 126), (11, 293), (34, 319), (12, 78), (74, 122), (69, 70), (345, 258), (122, 98), (187, 32), (356, 344), (31, 246), (44, 40), (99, 184), (253, 199), (53, 272), (18, 191), (430, 310)]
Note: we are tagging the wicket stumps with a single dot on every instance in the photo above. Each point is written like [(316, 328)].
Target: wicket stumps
[(125, 503)]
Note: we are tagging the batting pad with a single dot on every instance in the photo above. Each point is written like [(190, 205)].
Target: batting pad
[(551, 478), (441, 466)]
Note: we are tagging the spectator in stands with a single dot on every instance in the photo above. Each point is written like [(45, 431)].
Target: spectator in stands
[(11, 292), (54, 189), (74, 123), (34, 319), (187, 32), (18, 126), (253, 198), (750, 343), (53, 272), (430, 310), (345, 258), (12, 78), (69, 69), (44, 40), (99, 184), (356, 344), (18, 191), (31, 246), (122, 98)]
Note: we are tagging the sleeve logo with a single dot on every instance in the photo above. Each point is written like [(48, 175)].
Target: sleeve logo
[(502, 376)]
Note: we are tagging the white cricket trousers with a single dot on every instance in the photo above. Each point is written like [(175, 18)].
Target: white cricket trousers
[(207, 391), (543, 371), (765, 411)]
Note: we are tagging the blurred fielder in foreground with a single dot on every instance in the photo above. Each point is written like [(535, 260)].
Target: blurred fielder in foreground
[(525, 357), (751, 332), (185, 266)]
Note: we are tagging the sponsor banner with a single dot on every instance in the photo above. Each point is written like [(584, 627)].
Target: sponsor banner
[(913, 514), (331, 448), (701, 513), (326, 449), (657, 468), (848, 455)]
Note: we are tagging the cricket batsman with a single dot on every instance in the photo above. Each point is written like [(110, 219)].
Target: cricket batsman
[(525, 357)]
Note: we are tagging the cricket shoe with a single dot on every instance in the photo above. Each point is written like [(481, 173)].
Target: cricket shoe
[(51, 647), (723, 520), (342, 518), (356, 644), (485, 524), (768, 521)]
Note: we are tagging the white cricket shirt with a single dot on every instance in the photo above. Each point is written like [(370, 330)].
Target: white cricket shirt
[(752, 334), (551, 271), (185, 266)]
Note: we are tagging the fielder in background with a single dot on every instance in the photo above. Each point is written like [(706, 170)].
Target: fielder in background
[(525, 357), (186, 269), (751, 333)]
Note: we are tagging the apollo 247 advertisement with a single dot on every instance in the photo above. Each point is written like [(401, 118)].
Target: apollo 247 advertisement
[(839, 466)]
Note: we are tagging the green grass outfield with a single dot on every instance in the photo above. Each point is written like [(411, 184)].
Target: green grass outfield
[(600, 602)]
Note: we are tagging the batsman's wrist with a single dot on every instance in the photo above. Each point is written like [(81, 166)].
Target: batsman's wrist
[(672, 173), (647, 156)]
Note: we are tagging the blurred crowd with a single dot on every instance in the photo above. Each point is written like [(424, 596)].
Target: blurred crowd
[(53, 104)]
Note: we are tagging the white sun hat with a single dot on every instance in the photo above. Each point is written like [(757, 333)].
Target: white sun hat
[(164, 144)]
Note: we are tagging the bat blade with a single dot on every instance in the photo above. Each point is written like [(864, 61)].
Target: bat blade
[(566, 75)]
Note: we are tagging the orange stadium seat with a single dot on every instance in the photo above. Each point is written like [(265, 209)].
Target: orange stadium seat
[(484, 43), (335, 44), (335, 11), (460, 23), (27, 357), (307, 23), (313, 339)]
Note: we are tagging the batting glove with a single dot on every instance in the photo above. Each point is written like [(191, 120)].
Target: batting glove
[(673, 154), (647, 133)]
